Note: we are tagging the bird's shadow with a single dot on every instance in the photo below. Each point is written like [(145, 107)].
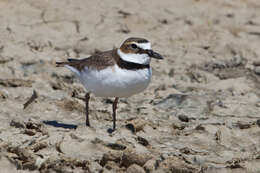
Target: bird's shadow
[(54, 123)]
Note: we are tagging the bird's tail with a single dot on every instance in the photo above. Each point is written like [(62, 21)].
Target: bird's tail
[(61, 64), (69, 62)]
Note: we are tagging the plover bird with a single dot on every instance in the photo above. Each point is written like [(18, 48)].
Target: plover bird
[(121, 72)]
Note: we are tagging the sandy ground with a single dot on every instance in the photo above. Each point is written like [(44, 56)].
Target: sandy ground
[(201, 112)]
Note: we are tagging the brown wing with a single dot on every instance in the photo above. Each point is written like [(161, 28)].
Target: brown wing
[(97, 61)]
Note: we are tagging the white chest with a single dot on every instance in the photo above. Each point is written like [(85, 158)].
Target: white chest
[(115, 82)]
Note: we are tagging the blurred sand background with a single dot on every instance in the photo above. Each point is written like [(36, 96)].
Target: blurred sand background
[(201, 112)]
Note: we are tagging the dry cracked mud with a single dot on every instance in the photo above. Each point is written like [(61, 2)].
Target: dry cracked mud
[(201, 112)]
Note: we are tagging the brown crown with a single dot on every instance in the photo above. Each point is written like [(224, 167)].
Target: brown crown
[(126, 47)]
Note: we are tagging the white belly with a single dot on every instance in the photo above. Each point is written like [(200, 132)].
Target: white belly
[(114, 81)]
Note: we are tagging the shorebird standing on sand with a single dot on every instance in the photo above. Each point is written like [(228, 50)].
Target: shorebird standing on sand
[(117, 73)]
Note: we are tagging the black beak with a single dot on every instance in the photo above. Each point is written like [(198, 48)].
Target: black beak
[(153, 54)]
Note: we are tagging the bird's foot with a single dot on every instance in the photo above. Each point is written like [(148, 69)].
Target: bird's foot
[(110, 130)]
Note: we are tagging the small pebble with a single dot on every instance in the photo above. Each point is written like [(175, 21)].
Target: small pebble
[(164, 21), (3, 95), (200, 127), (171, 72), (243, 125), (114, 156), (257, 70), (130, 156), (256, 63), (258, 122), (142, 141), (179, 126), (134, 168), (136, 125), (116, 146), (17, 124), (183, 118), (150, 165)]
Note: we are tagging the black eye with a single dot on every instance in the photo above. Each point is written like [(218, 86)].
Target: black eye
[(133, 46)]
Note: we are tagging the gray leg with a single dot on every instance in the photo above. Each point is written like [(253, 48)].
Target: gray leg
[(114, 113), (87, 97)]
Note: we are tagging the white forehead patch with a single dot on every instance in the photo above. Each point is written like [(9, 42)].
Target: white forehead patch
[(144, 45)]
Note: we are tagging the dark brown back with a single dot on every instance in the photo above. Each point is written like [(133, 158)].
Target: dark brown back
[(103, 60), (97, 61)]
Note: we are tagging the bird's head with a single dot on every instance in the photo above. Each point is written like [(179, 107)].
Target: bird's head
[(137, 50)]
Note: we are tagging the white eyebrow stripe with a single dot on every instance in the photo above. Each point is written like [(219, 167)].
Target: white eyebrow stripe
[(144, 45)]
